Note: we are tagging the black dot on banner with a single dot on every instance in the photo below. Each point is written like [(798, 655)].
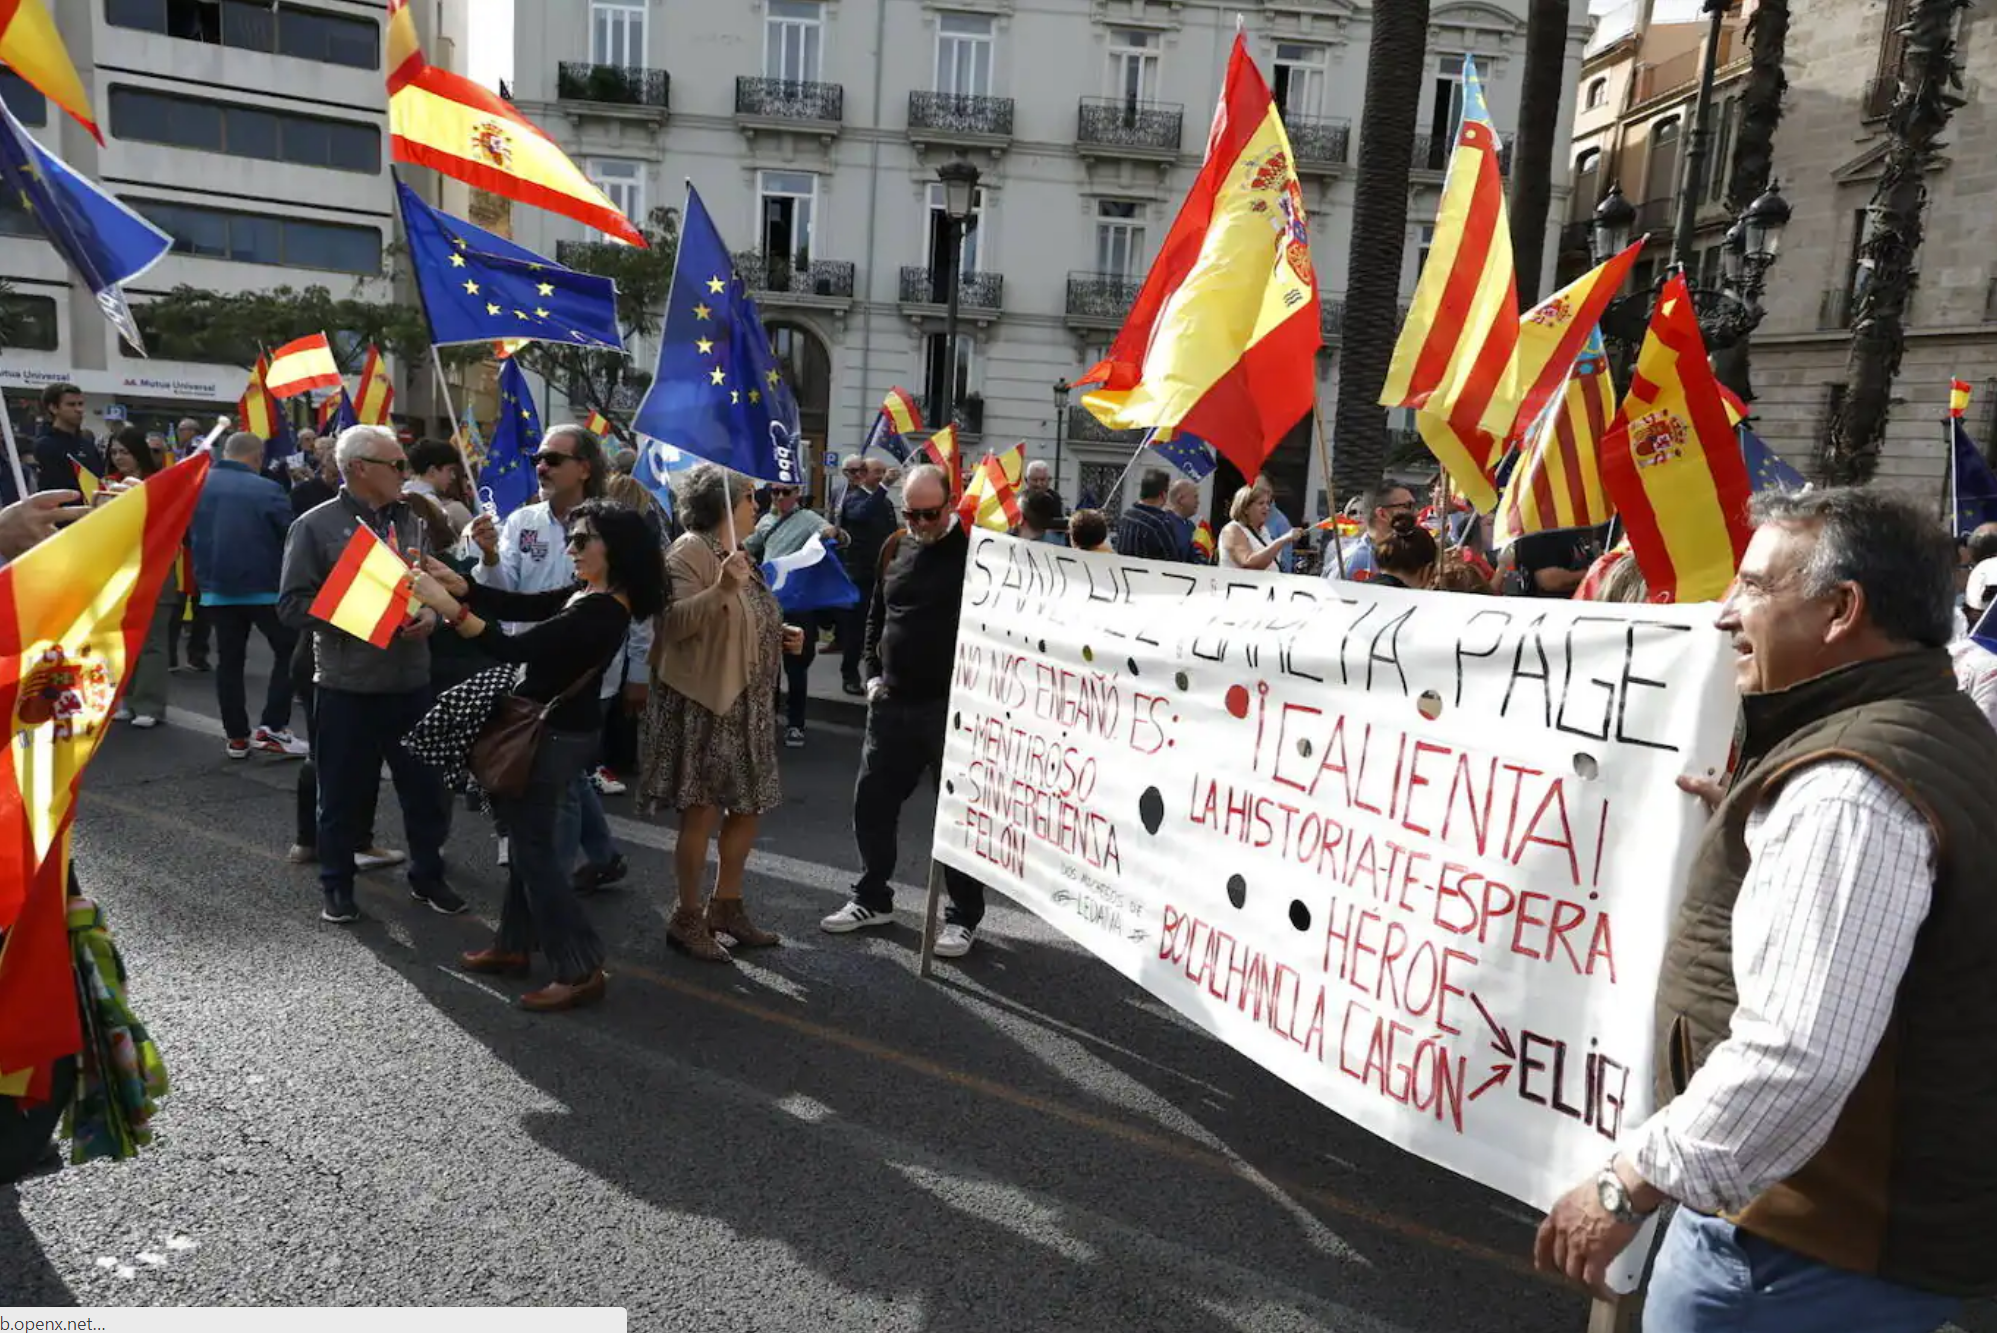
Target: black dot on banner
[(1587, 766), (1088, 653), (1043, 645), (1151, 809), (950, 788), (1132, 664), (1593, 896), (1300, 916), (1304, 746), (957, 721), (1237, 891), (1429, 704), (1182, 681)]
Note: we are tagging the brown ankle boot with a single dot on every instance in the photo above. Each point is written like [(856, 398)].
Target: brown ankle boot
[(688, 933), (727, 916)]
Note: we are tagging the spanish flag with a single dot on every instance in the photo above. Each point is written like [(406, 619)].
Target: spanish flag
[(599, 426), (376, 398), (1454, 360), (443, 121), (33, 49), (1672, 464), (88, 482), (942, 451), (367, 592), (1958, 398), (1553, 337), (74, 613), (257, 410), (1557, 482), (302, 365), (1222, 340), (992, 499), (1203, 541)]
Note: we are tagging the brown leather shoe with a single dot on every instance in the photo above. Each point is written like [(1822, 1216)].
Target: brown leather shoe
[(688, 933), (496, 962), (557, 995), (727, 916)]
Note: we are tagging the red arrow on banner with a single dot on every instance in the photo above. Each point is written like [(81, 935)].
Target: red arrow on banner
[(1503, 1046)]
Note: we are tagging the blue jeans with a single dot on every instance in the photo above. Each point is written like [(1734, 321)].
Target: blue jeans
[(582, 827), (354, 735), (1712, 1277)]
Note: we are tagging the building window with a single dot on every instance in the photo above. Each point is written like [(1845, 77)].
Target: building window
[(788, 208), (1721, 158), (964, 55), (622, 182), (1663, 169), (1446, 112), (1303, 74), (1119, 239), (616, 34), (243, 131), (1424, 242), (939, 231), (254, 238), (286, 30), (934, 358), (792, 39), (1598, 93), (28, 105), (27, 323), (1133, 64)]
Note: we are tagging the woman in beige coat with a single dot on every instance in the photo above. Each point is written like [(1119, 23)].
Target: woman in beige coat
[(710, 735)]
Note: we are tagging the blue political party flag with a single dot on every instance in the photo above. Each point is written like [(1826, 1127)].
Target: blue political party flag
[(810, 579), (344, 415), (1186, 452), (516, 437), (478, 287), (1985, 633), (657, 462), (718, 391), (1973, 484), (1765, 469), (105, 242)]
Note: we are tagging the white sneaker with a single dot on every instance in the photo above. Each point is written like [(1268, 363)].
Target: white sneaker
[(854, 917), (123, 714), (953, 940), (794, 738), (280, 741), (378, 858), (145, 721), (505, 853), (606, 782)]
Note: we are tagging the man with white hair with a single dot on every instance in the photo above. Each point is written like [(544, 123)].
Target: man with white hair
[(367, 698), (238, 536), (1040, 477)]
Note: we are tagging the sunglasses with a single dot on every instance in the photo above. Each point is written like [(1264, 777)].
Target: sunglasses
[(547, 458), (924, 515), (401, 465), (580, 538), (781, 491)]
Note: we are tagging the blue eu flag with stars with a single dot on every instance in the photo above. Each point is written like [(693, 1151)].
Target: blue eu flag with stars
[(478, 287), (718, 392), (1765, 469), (516, 437), (1188, 453), (1975, 486)]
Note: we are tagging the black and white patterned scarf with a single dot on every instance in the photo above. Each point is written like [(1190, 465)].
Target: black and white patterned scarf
[(443, 739)]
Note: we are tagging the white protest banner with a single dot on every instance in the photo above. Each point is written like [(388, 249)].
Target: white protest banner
[(1415, 853)]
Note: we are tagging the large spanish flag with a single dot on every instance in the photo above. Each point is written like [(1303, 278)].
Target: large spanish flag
[(992, 499), (74, 613), (446, 122), (1453, 362), (1672, 463), (367, 592), (1222, 340), (33, 49), (376, 398), (1557, 482)]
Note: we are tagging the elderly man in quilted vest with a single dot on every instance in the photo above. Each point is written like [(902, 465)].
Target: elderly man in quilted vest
[(1827, 1009)]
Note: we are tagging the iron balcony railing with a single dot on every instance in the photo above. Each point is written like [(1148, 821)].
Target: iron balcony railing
[(953, 113), (797, 277), (1432, 151), (1121, 123), (616, 85), (1102, 295), (1320, 141), (975, 291), (790, 99), (1331, 318), (1082, 425)]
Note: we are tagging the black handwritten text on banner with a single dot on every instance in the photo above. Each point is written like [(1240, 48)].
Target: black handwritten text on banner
[(1415, 853)]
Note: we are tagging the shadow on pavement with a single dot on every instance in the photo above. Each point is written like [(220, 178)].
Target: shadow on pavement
[(30, 1279)]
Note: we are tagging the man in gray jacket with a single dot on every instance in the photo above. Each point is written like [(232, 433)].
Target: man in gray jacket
[(367, 698)]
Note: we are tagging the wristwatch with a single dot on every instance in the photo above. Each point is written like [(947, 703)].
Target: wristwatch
[(1615, 1196)]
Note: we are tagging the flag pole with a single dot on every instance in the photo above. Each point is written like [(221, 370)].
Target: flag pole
[(13, 453), (1330, 495), (451, 413), (1948, 475)]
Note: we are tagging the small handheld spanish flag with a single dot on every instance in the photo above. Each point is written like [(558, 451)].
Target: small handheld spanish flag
[(1203, 541), (367, 594), (599, 426), (1958, 399)]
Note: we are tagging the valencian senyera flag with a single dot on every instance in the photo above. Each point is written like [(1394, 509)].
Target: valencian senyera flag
[(446, 122), (1222, 339), (1672, 464), (74, 614), (1557, 480)]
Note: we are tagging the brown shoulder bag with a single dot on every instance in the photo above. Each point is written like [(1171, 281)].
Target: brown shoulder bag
[(502, 758)]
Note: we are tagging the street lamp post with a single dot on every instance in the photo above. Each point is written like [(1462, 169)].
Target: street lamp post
[(1061, 388), (960, 193), (1700, 141)]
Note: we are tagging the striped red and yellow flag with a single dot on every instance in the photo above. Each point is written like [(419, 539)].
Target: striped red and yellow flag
[(1203, 540), (1958, 398), (942, 451), (599, 426), (1453, 362), (992, 499), (257, 409), (1553, 336), (31, 46), (375, 401), (302, 365), (1672, 465), (1221, 342), (367, 592), (1557, 482), (74, 613), (901, 411), (446, 122)]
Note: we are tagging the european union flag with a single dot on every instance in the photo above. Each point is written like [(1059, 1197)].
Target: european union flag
[(1765, 469), (478, 287), (1974, 485), (508, 473), (718, 391), (1188, 453), (104, 241), (343, 415)]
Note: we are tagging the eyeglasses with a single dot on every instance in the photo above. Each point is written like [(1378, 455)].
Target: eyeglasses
[(549, 458), (580, 538), (782, 492), (924, 515), (401, 465)]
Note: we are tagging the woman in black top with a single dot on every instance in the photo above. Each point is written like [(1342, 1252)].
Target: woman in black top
[(578, 632)]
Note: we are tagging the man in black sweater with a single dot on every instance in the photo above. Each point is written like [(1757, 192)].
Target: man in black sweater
[(911, 649), (64, 444)]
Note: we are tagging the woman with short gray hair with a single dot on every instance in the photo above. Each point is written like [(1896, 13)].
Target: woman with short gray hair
[(710, 745)]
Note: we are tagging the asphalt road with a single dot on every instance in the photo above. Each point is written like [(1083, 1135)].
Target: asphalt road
[(818, 1139)]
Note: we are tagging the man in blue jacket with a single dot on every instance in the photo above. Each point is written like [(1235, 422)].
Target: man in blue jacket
[(239, 531)]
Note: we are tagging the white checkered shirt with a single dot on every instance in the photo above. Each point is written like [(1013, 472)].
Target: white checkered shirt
[(1840, 878)]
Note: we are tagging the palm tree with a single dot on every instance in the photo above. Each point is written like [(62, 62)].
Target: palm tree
[(1752, 169), (1532, 155), (1930, 91), (1395, 64)]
